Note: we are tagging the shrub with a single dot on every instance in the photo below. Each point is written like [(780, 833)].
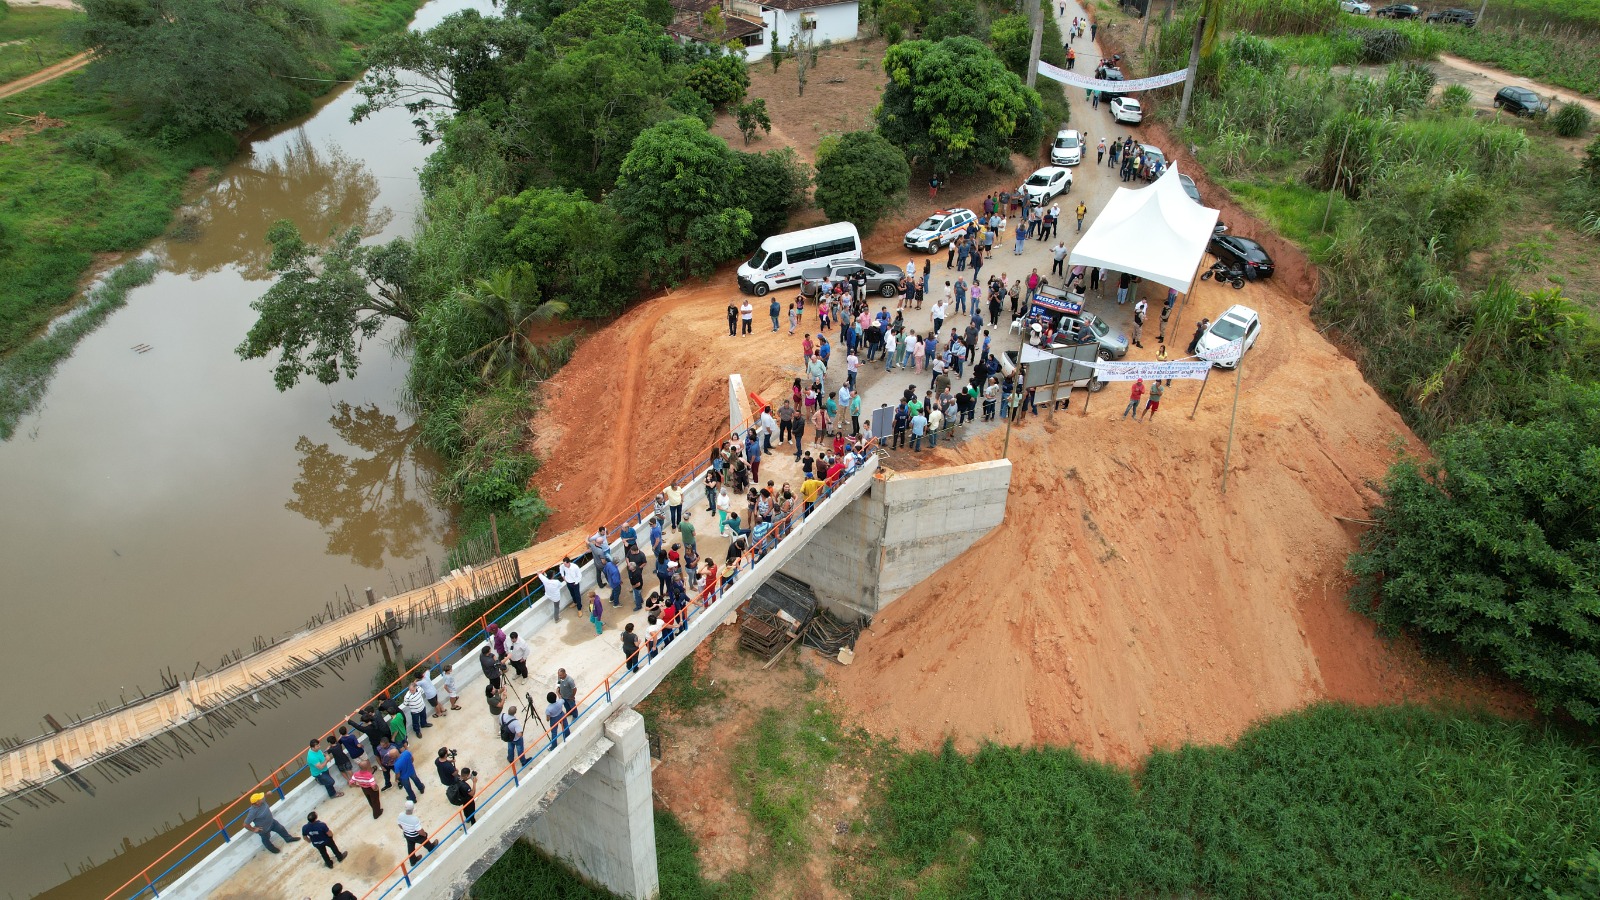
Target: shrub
[(1455, 99), (1492, 551), (1257, 53), (720, 79), (752, 116), (1571, 120), (860, 178), (104, 147)]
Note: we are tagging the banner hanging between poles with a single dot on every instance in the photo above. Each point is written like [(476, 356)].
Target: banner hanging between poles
[(1056, 73), (1183, 370)]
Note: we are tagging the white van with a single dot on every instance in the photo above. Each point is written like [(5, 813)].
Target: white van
[(783, 257)]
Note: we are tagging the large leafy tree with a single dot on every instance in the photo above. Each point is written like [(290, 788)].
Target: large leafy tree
[(454, 67), (197, 65), (953, 105), (574, 249), (678, 193), (1492, 551), (325, 302), (509, 305), (860, 178)]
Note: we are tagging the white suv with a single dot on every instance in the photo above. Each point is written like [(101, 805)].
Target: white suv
[(1126, 109), (939, 229), (1067, 150)]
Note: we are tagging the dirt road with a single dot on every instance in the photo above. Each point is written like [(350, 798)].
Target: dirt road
[(45, 75)]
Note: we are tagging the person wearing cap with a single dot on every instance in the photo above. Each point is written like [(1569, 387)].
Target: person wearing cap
[(411, 827), (317, 832), (258, 818)]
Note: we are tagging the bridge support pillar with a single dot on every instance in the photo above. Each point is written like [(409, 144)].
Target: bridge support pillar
[(603, 826)]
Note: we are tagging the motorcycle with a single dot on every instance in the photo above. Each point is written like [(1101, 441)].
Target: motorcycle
[(1224, 272)]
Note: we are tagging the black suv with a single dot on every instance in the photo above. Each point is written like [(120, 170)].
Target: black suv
[(1242, 255), (1454, 17), (1520, 101)]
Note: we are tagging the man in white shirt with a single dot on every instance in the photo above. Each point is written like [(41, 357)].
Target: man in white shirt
[(517, 655), (553, 586), (852, 363), (938, 315), (747, 315), (769, 427), (571, 577), (888, 351)]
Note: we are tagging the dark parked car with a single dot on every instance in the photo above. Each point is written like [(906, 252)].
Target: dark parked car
[(1189, 188), (1453, 17), (1397, 11), (881, 279), (1112, 73), (1242, 255), (1520, 101)]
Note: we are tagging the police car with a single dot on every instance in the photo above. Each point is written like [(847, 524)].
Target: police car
[(939, 229)]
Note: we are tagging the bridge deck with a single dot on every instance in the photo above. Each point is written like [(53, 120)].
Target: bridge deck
[(375, 846)]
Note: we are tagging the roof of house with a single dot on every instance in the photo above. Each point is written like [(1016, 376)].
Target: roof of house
[(796, 5), (695, 6), (693, 28)]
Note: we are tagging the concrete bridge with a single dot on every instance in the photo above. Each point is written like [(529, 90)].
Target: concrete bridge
[(588, 799)]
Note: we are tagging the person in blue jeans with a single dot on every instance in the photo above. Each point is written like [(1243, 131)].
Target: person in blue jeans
[(405, 768), (319, 764), (511, 725), (556, 712), (258, 818)]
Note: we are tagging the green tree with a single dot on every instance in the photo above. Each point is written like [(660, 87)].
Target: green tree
[(676, 191), (325, 301), (771, 185), (454, 67), (953, 105), (721, 79), (198, 65), (860, 178), (1491, 551), (752, 116), (1012, 38), (509, 305), (574, 248)]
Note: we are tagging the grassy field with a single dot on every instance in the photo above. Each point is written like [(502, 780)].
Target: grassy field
[(1562, 55), (1331, 801), (32, 37)]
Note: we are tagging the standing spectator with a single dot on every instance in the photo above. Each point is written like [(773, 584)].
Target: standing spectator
[(599, 545), (1082, 210), (774, 310), (556, 712), (568, 689), (321, 837), (517, 654), (653, 625), (491, 669), (341, 759), (636, 563), (497, 639), (258, 819), (1134, 398), (630, 647), (686, 529), (1199, 332), (319, 763), (1058, 254), (445, 765), (674, 497), (571, 577), (416, 708), (430, 691), (339, 893), (405, 769), (597, 612), (511, 733), (1156, 390), (550, 580), (933, 185), (733, 319), (364, 779), (1122, 288), (613, 579), (1140, 309), (350, 744), (747, 316), (411, 827)]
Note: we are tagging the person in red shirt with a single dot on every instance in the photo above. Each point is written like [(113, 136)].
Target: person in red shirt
[(1134, 398)]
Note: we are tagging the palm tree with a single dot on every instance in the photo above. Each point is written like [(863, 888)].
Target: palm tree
[(508, 303)]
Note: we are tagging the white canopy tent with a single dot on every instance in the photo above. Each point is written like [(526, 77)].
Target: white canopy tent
[(1157, 233)]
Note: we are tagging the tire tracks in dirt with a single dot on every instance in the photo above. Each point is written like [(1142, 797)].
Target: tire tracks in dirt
[(45, 75)]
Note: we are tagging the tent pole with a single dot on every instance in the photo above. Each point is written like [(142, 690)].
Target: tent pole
[(1203, 383), (1238, 369)]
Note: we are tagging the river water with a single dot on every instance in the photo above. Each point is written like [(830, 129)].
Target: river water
[(167, 505)]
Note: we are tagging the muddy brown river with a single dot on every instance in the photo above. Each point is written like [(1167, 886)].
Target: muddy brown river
[(167, 505)]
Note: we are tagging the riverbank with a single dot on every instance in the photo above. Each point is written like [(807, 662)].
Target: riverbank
[(84, 185)]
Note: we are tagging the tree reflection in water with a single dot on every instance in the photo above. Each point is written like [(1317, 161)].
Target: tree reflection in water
[(318, 189), (369, 505)]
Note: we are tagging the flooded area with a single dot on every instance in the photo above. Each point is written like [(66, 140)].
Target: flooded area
[(167, 505)]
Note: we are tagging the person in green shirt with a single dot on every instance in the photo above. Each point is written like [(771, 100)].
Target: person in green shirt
[(686, 528), (397, 729), (855, 415)]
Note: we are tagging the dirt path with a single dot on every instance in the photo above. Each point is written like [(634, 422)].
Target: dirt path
[(45, 75), (1485, 80)]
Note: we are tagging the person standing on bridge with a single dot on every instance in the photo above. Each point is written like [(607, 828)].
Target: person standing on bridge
[(258, 818), (517, 655), (430, 691), (636, 561), (597, 612), (366, 780), (613, 580), (491, 669), (572, 577), (411, 827), (568, 689), (416, 707), (550, 581), (630, 647), (511, 733), (498, 639), (556, 712), (320, 765), (674, 497), (317, 832), (405, 769)]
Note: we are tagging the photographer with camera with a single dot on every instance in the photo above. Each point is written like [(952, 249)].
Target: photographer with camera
[(464, 793), (445, 765)]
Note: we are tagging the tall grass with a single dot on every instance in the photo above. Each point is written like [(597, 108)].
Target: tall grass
[(1331, 801), (25, 374), (33, 37), (1564, 56), (1269, 17)]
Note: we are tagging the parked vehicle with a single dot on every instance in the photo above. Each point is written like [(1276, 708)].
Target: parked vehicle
[(783, 257), (1453, 16), (1067, 150), (1081, 324), (1127, 111), (1111, 73), (1238, 323), (1243, 256), (1520, 101), (1397, 11), (881, 279), (1046, 183), (1190, 189), (939, 229), (1355, 7)]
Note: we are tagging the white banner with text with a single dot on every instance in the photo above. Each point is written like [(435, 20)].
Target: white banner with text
[(1056, 73), (1183, 369)]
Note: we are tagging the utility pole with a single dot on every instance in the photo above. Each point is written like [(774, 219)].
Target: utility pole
[(1145, 32), (1194, 68), (1036, 20)]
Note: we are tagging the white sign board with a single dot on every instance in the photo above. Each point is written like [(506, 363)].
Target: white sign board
[(1178, 370), (1056, 73), (1226, 354)]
